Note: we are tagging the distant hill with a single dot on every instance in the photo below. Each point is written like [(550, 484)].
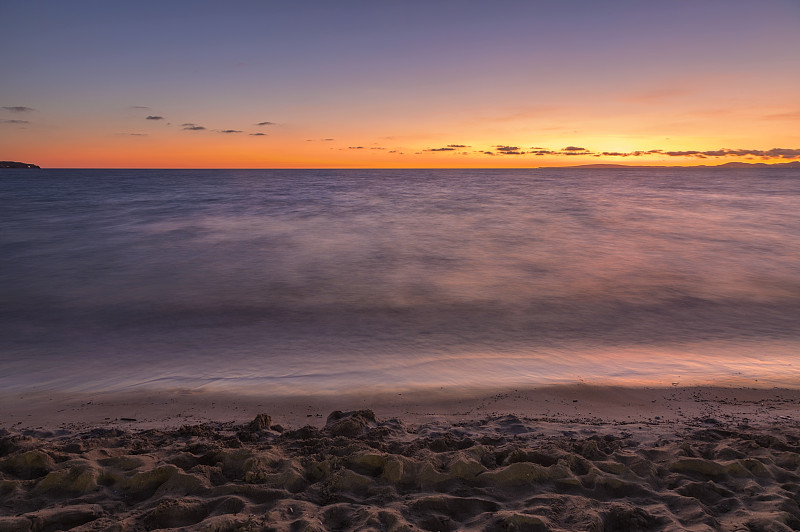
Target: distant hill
[(793, 164), (14, 164)]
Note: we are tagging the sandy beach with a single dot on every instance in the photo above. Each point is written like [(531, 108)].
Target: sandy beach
[(553, 458)]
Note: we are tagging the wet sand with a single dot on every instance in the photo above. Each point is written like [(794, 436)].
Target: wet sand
[(556, 458)]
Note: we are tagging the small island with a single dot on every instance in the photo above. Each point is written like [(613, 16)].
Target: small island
[(14, 164)]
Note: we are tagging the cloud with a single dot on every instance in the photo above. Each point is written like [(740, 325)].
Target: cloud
[(138, 107), (328, 140), (784, 153), (230, 130), (458, 146), (355, 147), (574, 148), (257, 134), (684, 153), (746, 152), (192, 127), (441, 149), (265, 123), (154, 117), (18, 108), (136, 134), (509, 150), (14, 121), (544, 152), (488, 153), (377, 148)]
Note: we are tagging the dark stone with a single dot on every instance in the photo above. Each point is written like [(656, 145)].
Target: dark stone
[(350, 424), (261, 422)]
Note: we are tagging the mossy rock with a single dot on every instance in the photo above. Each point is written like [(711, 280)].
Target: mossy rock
[(65, 518), (308, 525), (349, 424), (173, 513), (369, 463), (756, 467), (236, 463), (291, 479), (180, 484), (576, 463), (611, 467), (643, 468), (28, 465), (76, 477), (347, 480), (427, 475), (256, 469), (518, 523), (145, 483), (321, 470), (393, 471), (228, 523), (8, 487), (124, 463), (521, 473), (699, 467), (457, 508), (616, 486), (466, 468), (788, 460), (15, 524)]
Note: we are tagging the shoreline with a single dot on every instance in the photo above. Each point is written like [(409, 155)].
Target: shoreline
[(170, 409), (555, 458), (545, 459)]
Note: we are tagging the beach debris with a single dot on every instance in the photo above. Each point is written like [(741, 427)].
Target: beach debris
[(349, 424), (260, 422)]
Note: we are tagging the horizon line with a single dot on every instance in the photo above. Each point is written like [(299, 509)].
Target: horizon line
[(594, 166)]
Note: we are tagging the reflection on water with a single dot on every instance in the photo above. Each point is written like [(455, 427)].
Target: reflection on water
[(290, 281)]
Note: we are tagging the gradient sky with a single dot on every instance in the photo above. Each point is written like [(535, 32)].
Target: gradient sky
[(398, 84)]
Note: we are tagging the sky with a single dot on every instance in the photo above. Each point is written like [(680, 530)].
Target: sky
[(411, 84)]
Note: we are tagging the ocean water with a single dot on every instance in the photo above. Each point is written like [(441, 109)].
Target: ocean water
[(330, 281)]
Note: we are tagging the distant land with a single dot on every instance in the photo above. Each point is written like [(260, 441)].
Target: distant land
[(14, 164), (793, 164)]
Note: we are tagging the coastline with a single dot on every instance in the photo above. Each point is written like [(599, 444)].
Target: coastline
[(170, 409), (555, 458)]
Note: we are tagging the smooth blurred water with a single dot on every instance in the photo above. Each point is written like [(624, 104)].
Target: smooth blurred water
[(302, 281)]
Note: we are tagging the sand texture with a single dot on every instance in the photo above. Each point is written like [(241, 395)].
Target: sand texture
[(355, 471)]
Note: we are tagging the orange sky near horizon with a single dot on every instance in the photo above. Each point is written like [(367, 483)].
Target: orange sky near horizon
[(361, 86)]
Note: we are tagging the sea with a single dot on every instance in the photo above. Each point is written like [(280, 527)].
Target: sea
[(295, 282)]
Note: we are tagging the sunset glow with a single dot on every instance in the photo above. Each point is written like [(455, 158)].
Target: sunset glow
[(413, 84)]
